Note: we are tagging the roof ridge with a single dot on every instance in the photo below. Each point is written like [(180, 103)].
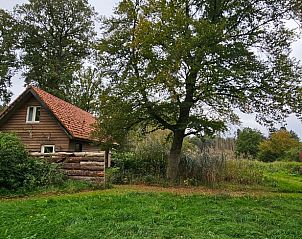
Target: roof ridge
[(39, 89), (76, 120)]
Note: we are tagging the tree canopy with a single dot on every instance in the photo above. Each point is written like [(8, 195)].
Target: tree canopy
[(85, 89), (56, 37), (186, 65), (248, 141), (277, 146), (8, 61)]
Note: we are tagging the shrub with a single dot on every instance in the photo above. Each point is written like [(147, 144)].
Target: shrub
[(292, 154), (275, 148), (18, 170), (39, 173), (146, 164), (12, 157)]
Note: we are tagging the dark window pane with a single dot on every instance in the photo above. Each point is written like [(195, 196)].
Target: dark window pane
[(30, 113), (48, 149), (37, 118), (78, 147)]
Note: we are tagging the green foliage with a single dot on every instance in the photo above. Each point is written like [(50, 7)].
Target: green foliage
[(279, 146), (40, 173), (147, 164), (143, 160), (170, 63), (56, 37), (12, 158), (18, 170), (85, 90), (247, 143), (133, 213), (8, 61), (293, 154)]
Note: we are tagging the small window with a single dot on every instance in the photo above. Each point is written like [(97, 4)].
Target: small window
[(33, 114), (48, 149), (78, 147)]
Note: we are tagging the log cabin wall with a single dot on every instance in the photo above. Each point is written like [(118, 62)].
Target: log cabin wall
[(79, 165), (86, 146), (34, 135)]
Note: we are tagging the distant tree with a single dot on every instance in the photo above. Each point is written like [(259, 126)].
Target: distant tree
[(56, 37), (8, 60), (277, 145), (294, 135), (185, 65), (247, 143), (85, 89)]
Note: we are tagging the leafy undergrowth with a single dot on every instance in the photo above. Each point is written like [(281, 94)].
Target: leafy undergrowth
[(150, 212)]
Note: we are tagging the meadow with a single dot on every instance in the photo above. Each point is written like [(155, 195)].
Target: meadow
[(153, 212), (238, 208)]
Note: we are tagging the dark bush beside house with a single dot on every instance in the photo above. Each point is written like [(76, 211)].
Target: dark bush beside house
[(19, 170), (147, 164)]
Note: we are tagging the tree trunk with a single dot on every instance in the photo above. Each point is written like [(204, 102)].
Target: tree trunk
[(174, 157)]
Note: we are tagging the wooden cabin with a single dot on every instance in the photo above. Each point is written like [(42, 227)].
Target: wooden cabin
[(47, 124)]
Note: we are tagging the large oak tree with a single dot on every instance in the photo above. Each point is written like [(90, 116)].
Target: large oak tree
[(56, 37), (185, 65)]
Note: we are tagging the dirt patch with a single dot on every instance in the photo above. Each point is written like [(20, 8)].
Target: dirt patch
[(191, 190)]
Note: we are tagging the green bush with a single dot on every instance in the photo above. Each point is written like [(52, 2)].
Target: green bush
[(292, 154), (12, 158), (18, 170), (39, 173), (146, 164), (288, 168)]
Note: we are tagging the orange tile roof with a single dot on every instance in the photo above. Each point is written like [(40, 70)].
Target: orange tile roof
[(76, 121)]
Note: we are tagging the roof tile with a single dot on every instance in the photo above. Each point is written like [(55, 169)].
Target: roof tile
[(76, 121)]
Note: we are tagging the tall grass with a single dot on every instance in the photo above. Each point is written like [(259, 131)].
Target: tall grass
[(202, 169)]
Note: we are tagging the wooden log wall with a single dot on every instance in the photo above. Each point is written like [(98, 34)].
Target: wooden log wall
[(34, 135), (79, 166)]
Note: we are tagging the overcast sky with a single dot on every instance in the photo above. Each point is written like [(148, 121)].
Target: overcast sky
[(105, 7)]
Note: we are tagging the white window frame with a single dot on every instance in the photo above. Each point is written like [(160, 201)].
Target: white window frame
[(44, 146), (34, 114)]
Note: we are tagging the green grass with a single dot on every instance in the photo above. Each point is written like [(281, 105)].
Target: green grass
[(120, 214), (283, 176), (276, 176), (68, 186)]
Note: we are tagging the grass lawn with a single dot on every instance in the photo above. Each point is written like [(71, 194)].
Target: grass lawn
[(152, 212)]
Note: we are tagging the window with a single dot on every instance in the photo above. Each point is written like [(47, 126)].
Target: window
[(78, 147), (48, 149), (33, 114)]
